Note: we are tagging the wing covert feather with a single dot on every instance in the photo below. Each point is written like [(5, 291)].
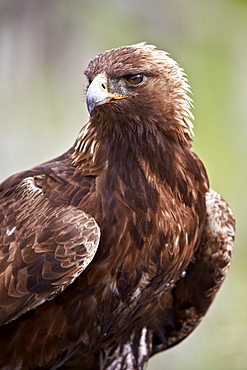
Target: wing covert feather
[(42, 248), (196, 289), (195, 292)]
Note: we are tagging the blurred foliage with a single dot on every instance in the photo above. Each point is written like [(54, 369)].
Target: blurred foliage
[(44, 47)]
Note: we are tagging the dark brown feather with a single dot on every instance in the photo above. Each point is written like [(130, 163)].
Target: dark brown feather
[(115, 250)]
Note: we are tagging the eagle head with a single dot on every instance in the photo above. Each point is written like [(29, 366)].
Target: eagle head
[(142, 83)]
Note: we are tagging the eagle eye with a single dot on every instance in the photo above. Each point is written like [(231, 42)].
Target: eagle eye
[(134, 79)]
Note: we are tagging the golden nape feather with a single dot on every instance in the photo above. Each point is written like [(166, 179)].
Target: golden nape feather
[(115, 250)]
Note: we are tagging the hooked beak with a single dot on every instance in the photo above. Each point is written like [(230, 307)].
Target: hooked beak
[(98, 94)]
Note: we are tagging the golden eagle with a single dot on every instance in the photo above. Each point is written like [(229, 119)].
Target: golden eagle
[(113, 251)]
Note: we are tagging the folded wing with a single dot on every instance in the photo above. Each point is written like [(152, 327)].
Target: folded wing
[(43, 248), (196, 289)]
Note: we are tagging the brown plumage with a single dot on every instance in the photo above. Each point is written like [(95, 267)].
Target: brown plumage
[(115, 250)]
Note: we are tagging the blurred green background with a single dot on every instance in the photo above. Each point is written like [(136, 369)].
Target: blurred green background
[(44, 48)]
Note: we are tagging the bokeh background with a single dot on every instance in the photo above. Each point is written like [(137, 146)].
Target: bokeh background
[(44, 47)]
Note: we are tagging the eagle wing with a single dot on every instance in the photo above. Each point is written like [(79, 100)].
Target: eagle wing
[(43, 248), (196, 289)]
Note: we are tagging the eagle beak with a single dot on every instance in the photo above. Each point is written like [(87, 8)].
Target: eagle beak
[(98, 94)]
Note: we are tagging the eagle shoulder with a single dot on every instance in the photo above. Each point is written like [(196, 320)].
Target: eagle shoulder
[(43, 247), (196, 289)]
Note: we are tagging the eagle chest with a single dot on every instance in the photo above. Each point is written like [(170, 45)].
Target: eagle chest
[(140, 236)]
